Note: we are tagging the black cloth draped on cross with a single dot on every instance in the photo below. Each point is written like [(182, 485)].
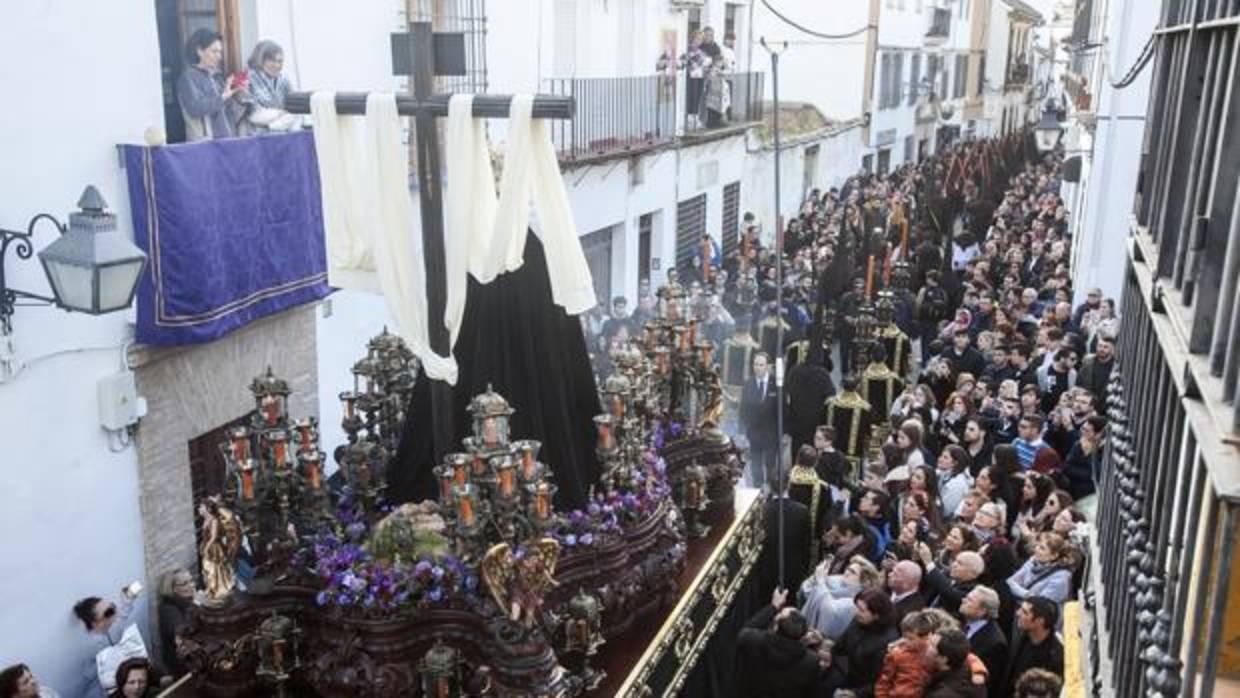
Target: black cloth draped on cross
[(514, 338)]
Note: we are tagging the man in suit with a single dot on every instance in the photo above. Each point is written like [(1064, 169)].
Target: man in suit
[(759, 415), (951, 590), (904, 580), (979, 610)]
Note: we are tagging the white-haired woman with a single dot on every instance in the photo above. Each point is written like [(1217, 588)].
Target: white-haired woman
[(269, 88)]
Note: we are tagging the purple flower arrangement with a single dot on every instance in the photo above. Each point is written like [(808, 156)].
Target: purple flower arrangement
[(352, 579), (608, 513)]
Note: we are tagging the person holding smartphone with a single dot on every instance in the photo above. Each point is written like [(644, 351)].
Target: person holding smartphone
[(105, 621), (202, 91)]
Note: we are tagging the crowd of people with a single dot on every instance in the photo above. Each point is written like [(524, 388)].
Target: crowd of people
[(119, 662), (939, 563)]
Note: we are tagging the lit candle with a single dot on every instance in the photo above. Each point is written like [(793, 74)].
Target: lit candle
[(278, 440), (661, 361), (490, 432), (542, 501), (869, 275), (460, 468), (240, 443), (527, 461), (603, 423), (348, 398), (271, 409), (507, 485), (247, 480), (305, 432), (446, 480), (465, 505), (311, 463)]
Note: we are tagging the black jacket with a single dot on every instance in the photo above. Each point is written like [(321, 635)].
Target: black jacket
[(808, 387), (173, 615), (910, 604), (955, 684), (949, 591), (771, 665), (859, 653), (1025, 656), (968, 361), (796, 545), (991, 647), (759, 415)]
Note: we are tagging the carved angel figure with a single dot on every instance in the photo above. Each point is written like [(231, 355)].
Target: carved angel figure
[(221, 540), (519, 581)]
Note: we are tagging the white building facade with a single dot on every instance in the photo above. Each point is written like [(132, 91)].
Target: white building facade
[(1106, 128)]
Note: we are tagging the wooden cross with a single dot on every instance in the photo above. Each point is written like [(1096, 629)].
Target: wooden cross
[(425, 54)]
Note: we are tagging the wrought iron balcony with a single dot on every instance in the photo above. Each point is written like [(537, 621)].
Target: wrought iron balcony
[(733, 100), (1019, 75), (940, 23), (614, 115)]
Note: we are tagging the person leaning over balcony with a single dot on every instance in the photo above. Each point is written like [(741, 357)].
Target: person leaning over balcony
[(268, 88), (202, 92)]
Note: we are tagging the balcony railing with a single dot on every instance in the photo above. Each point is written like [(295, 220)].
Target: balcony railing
[(738, 94), (1169, 490), (1018, 75), (614, 115), (940, 24)]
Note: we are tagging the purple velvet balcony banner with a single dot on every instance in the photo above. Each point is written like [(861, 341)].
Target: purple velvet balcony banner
[(234, 232)]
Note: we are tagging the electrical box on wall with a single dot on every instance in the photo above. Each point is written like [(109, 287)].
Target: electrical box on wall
[(119, 404)]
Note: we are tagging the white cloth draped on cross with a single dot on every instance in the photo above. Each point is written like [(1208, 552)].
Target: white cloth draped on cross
[(373, 240)]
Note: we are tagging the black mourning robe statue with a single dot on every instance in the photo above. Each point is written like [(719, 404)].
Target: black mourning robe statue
[(880, 386), (805, 487), (899, 348), (852, 417), (515, 338), (737, 358)]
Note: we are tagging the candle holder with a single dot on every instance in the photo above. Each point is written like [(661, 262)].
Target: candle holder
[(270, 398), (541, 513), (582, 636), (278, 642), (606, 436), (490, 413), (440, 671), (693, 500), (526, 452)]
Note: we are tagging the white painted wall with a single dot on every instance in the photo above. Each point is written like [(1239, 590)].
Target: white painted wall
[(71, 522), (807, 68), (839, 157), (1116, 156)]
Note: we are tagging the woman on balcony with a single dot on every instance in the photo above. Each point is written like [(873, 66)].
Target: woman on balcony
[(201, 91), (268, 87)]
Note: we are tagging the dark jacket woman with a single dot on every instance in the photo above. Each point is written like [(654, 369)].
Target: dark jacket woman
[(857, 659), (173, 615)]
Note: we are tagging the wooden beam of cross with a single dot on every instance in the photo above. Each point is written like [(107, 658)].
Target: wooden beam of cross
[(424, 55)]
